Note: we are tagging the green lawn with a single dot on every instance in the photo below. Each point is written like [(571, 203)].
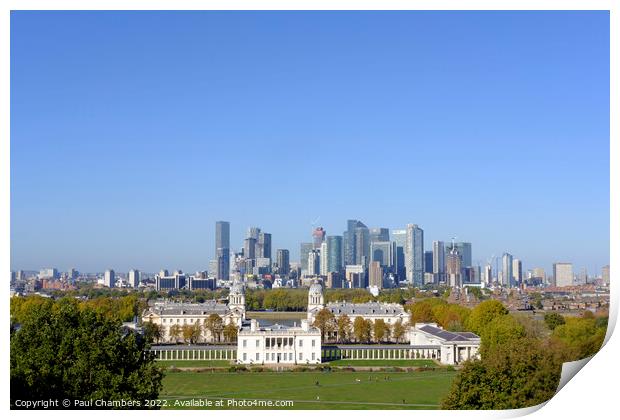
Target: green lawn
[(388, 363), (336, 390), (194, 363)]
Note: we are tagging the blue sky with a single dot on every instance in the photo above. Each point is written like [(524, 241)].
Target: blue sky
[(133, 132)]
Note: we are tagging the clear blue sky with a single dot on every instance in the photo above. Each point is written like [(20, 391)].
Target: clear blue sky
[(133, 132)]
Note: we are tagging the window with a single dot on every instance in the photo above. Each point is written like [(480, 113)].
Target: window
[(301, 356), (244, 356), (301, 343), (312, 356), (257, 343), (313, 345), (257, 356), (284, 357), (245, 343), (290, 357)]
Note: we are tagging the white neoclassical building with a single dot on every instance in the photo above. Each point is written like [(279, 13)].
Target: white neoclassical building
[(391, 313), (278, 344), (167, 314), (453, 347)]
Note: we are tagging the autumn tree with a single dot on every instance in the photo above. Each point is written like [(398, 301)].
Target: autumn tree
[(215, 325), (381, 330), (483, 314), (398, 331), (344, 327), (325, 321), (230, 333), (362, 329), (191, 332), (175, 332)]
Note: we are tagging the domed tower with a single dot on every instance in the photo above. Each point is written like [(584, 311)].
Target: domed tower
[(236, 298), (315, 297)]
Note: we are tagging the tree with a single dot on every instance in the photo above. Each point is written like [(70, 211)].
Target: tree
[(398, 331), (191, 332), (68, 352), (153, 332), (325, 321), (520, 373), (581, 336), (362, 329), (214, 324), (553, 320), (230, 333), (499, 333), (381, 330), (343, 324), (483, 314), (175, 332)]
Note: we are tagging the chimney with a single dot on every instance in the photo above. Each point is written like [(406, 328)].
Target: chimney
[(253, 325)]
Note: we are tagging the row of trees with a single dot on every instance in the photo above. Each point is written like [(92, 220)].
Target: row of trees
[(342, 330), (124, 307), (213, 327)]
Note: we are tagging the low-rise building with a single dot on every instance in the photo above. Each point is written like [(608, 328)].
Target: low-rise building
[(278, 344), (454, 347)]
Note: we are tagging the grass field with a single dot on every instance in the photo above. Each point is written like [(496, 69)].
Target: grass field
[(335, 390), (397, 363), (194, 363)]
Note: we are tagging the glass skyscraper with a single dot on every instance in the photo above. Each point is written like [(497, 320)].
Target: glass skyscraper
[(414, 255), (334, 254)]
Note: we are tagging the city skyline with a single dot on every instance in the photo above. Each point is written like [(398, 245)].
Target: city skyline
[(460, 122)]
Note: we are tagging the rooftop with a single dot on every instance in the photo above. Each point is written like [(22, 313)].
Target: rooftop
[(369, 308), (449, 335)]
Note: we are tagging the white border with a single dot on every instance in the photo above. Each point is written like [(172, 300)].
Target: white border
[(590, 394)]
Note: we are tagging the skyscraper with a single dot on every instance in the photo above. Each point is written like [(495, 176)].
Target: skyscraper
[(428, 261), (399, 237), (249, 248), (507, 276), (414, 255), (222, 250), (517, 272), (439, 261), (253, 232), (605, 274), (350, 242), (305, 249), (454, 269), (284, 266), (464, 250), (222, 264), (222, 235), (362, 245), (375, 275), (264, 245), (334, 254), (379, 235), (134, 278), (318, 237), (109, 278), (562, 274), (314, 262), (323, 249), (487, 274), (382, 252)]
